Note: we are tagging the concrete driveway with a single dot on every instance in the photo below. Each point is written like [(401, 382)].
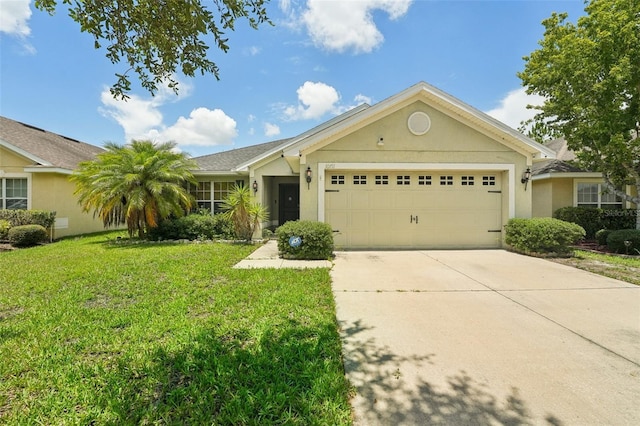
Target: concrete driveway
[(486, 337)]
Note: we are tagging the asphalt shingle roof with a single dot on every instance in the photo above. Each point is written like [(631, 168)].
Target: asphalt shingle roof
[(563, 162), (56, 150), (229, 160)]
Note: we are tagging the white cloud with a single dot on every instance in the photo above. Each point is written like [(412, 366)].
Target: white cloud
[(314, 100), (14, 21), (271, 129), (344, 25), (142, 119), (513, 107), (14, 17)]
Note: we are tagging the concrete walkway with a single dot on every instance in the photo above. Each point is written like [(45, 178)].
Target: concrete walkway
[(266, 256), (486, 338)]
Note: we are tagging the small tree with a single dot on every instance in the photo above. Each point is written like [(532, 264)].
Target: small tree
[(245, 214), (138, 184)]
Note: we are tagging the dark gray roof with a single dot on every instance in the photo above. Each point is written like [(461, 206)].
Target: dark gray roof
[(54, 150), (564, 162), (228, 160)]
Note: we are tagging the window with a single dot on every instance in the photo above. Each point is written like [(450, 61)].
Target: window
[(337, 179), (467, 181), (202, 194), (403, 180), (446, 180), (13, 193), (424, 180), (591, 194), (221, 191), (382, 180), (488, 181), (360, 180)]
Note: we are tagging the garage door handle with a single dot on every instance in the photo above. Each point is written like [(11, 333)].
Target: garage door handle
[(413, 218)]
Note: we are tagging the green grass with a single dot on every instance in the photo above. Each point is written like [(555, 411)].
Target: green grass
[(93, 331), (612, 266)]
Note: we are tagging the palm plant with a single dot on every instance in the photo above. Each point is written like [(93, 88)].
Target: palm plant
[(137, 184), (245, 215)]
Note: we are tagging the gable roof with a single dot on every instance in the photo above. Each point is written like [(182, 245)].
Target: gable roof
[(440, 100), (45, 149), (228, 161), (239, 159)]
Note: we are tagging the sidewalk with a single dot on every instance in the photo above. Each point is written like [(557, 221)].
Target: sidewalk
[(267, 257)]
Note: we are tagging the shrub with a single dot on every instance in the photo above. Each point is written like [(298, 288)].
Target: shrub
[(27, 235), (5, 225), (616, 241), (590, 219), (317, 240), (542, 235), (619, 218), (193, 227), (43, 218), (601, 236)]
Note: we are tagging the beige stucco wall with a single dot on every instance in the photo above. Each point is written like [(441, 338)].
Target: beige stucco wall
[(542, 192), (447, 141), (51, 192)]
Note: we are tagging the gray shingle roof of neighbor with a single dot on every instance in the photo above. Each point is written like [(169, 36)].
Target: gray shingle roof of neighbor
[(44, 148), (226, 161), (562, 163)]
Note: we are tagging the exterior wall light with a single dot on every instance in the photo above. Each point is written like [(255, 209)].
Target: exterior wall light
[(526, 176), (309, 175), (255, 186)]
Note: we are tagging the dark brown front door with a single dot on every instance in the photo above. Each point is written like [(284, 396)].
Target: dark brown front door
[(289, 202)]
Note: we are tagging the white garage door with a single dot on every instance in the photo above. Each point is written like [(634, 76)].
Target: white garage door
[(439, 209)]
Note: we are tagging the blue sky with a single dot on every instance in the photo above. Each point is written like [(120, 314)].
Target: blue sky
[(318, 60)]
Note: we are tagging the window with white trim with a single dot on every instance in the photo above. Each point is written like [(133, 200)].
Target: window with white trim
[(221, 192), (202, 194), (403, 180), (596, 195), (13, 193), (337, 179), (360, 179), (467, 181), (424, 180), (382, 180)]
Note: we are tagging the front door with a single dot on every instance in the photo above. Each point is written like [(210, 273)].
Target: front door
[(289, 202)]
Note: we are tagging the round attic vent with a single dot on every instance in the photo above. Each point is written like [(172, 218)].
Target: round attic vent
[(419, 123)]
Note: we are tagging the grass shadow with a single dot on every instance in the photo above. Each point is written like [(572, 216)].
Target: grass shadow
[(283, 376)]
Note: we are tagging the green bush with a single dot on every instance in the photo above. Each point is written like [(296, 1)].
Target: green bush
[(193, 227), (43, 218), (593, 219), (601, 236), (5, 225), (616, 241), (27, 235), (619, 218), (542, 235), (317, 240), (590, 219)]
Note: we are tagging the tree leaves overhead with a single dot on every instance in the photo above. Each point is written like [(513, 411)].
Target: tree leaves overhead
[(155, 39), (589, 73)]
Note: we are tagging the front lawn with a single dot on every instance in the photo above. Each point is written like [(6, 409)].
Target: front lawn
[(94, 331), (612, 266)]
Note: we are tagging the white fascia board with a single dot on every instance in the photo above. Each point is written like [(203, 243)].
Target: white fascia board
[(588, 175), (442, 101), (38, 169), (323, 167), (24, 153), (217, 173)]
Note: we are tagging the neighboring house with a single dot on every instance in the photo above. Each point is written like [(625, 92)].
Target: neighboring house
[(420, 169), (560, 183), (34, 169)]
